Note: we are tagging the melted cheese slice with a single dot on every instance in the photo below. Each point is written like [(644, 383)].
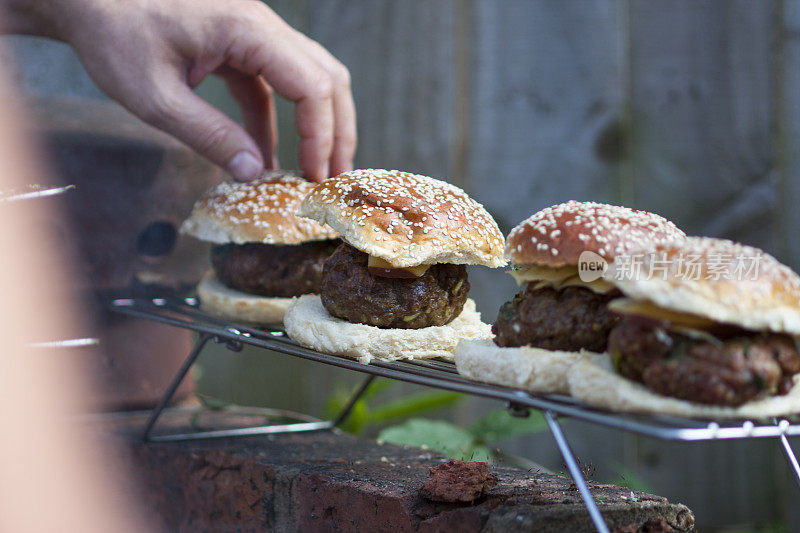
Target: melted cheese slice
[(558, 278), (541, 273), (377, 262), (634, 307), (600, 286)]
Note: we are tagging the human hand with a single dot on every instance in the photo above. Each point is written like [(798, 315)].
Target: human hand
[(149, 55)]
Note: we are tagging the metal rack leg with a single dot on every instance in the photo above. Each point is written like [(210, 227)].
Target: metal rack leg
[(176, 381), (575, 472), (791, 458), (238, 432)]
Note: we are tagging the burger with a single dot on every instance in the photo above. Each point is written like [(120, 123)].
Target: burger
[(558, 308), (561, 310), (397, 285), (262, 255), (707, 327)]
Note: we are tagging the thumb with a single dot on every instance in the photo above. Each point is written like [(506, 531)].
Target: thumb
[(180, 112)]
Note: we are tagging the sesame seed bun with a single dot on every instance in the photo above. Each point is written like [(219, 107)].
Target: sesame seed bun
[(556, 236), (406, 219), (220, 300), (718, 279), (258, 211), (308, 323)]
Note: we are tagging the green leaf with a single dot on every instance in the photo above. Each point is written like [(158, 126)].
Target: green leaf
[(342, 394), (436, 434), (377, 385), (357, 418), (499, 425), (355, 421), (412, 405)]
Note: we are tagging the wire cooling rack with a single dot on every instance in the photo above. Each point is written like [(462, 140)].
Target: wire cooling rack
[(170, 308)]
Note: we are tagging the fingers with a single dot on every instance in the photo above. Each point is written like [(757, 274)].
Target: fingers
[(255, 98), (175, 109), (319, 85), (297, 77), (345, 137), (314, 120), (344, 109)]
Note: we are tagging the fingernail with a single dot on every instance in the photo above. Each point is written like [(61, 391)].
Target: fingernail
[(244, 166), (326, 170)]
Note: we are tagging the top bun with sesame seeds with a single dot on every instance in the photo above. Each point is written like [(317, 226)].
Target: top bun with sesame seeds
[(716, 279), (406, 219), (258, 211), (556, 236)]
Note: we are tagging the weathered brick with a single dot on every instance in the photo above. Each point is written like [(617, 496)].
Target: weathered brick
[(328, 481)]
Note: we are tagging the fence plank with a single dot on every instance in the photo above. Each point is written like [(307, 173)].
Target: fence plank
[(701, 87), (789, 134), (544, 92), (400, 56), (546, 87), (788, 119)]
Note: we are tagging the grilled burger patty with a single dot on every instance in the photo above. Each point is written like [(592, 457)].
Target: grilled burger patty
[(570, 319), (350, 292), (272, 269), (731, 371)]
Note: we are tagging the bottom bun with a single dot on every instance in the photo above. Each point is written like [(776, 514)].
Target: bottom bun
[(308, 323), (230, 304), (532, 369), (597, 384)]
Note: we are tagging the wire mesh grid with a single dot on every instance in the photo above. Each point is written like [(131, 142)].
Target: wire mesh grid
[(183, 312)]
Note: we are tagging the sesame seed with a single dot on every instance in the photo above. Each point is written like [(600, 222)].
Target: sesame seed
[(598, 227), (262, 210), (460, 226)]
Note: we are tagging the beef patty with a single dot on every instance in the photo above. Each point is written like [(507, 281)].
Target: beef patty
[(272, 269), (729, 371), (350, 292), (570, 319)]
